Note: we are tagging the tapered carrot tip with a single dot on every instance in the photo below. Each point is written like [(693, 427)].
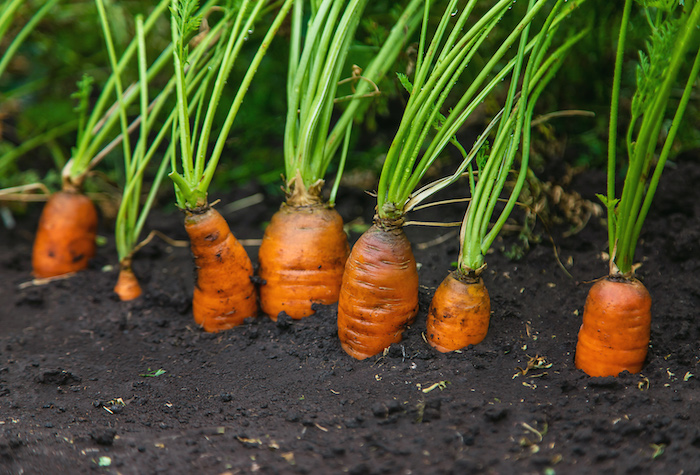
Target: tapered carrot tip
[(459, 313), (379, 292), (302, 257), (224, 295), (127, 287), (65, 239), (614, 336)]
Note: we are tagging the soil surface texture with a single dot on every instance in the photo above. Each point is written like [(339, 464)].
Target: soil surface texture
[(89, 384)]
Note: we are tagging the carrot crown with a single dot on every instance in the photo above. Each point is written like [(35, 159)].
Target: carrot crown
[(673, 35), (198, 163)]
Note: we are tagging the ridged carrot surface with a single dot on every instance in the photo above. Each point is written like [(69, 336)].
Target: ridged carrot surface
[(302, 258), (224, 295), (459, 313), (379, 292), (65, 239), (614, 336)]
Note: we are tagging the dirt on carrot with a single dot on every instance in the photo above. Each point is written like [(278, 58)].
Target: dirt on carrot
[(224, 295), (379, 293), (459, 313), (65, 239)]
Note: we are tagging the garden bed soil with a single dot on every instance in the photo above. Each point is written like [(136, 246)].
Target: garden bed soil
[(79, 391)]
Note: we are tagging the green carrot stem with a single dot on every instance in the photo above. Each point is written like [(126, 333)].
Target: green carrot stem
[(87, 147), (635, 180), (23, 33), (240, 95), (665, 152), (341, 165), (612, 134)]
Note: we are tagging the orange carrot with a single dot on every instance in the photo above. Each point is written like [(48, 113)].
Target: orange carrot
[(459, 313), (224, 295), (302, 258), (127, 287), (379, 292), (614, 336), (65, 240)]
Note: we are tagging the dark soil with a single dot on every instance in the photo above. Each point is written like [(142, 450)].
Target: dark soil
[(283, 397)]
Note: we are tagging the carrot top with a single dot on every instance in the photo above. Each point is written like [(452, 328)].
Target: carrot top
[(315, 67), (495, 164), (198, 163), (673, 35), (424, 132)]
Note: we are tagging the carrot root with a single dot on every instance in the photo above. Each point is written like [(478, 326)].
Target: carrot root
[(65, 239), (379, 292), (224, 295), (128, 287), (614, 336), (302, 257), (459, 313)]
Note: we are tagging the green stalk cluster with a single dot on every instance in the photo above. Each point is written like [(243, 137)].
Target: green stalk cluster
[(478, 232), (197, 162), (439, 66), (314, 73), (674, 35), (132, 212), (94, 130)]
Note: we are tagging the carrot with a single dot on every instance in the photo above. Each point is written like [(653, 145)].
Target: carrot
[(459, 313), (379, 292), (224, 295), (302, 257), (614, 336), (127, 287), (65, 240)]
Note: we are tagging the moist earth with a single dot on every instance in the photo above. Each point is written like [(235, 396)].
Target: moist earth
[(82, 391)]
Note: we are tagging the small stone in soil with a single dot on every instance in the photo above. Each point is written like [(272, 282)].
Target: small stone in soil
[(105, 437)]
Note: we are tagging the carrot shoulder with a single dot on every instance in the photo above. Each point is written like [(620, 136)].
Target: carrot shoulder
[(302, 257), (224, 295), (614, 336), (379, 292), (459, 313), (65, 239)]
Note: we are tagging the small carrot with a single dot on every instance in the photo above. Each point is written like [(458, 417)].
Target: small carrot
[(127, 287), (379, 292), (614, 336), (224, 295), (302, 257), (459, 312), (65, 240)]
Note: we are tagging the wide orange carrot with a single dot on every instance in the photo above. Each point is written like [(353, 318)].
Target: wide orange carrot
[(614, 336), (127, 287), (302, 257), (379, 292), (65, 240), (224, 295), (459, 313)]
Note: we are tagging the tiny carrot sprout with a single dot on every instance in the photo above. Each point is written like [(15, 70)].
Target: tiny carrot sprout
[(152, 373)]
